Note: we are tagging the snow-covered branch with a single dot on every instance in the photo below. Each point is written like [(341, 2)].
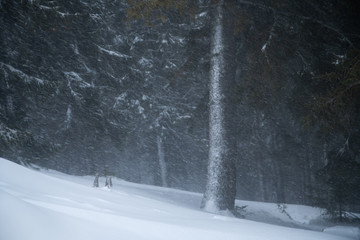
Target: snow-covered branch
[(113, 53), (22, 75), (268, 41)]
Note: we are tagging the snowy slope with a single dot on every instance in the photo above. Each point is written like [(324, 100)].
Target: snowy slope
[(51, 205)]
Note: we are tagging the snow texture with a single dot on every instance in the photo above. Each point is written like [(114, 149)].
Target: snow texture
[(51, 205), (113, 53), (22, 75), (216, 124), (68, 117), (350, 232)]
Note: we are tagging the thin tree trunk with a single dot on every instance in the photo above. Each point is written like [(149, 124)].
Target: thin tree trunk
[(261, 183), (162, 163)]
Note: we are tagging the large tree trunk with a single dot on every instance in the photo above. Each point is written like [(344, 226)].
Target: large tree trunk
[(221, 183)]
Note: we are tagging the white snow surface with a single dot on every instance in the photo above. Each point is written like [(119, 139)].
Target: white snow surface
[(42, 205), (350, 232)]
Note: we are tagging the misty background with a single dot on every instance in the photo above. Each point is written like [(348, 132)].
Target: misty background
[(84, 90)]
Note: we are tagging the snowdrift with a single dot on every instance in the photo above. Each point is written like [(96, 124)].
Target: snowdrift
[(50, 205)]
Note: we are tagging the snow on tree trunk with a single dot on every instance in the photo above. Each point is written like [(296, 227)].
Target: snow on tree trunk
[(220, 189), (108, 182), (162, 163)]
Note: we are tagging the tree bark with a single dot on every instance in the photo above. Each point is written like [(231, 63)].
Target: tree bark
[(221, 184)]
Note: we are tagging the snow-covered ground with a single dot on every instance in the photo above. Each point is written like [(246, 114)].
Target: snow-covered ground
[(50, 205)]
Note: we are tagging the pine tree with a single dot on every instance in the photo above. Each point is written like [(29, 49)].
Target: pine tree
[(221, 183), (342, 177)]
